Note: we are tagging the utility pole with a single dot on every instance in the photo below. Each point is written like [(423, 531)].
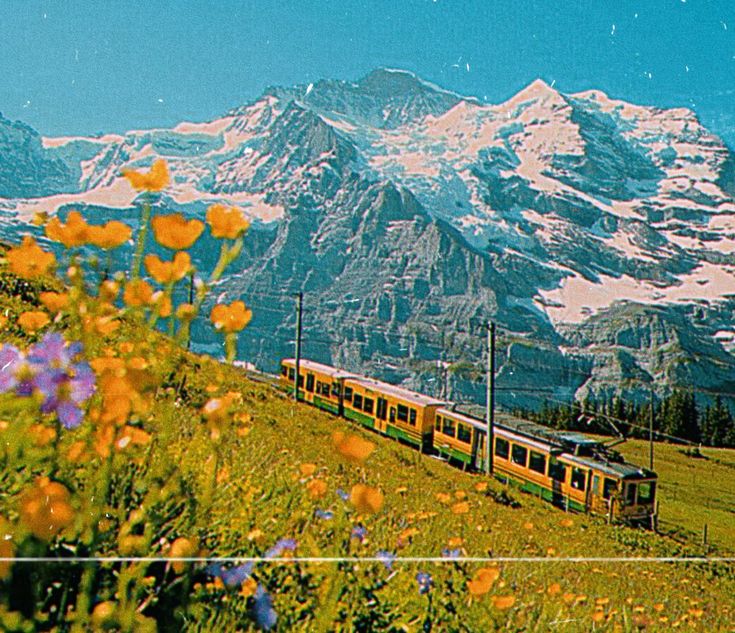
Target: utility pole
[(299, 301), (650, 434), (490, 397)]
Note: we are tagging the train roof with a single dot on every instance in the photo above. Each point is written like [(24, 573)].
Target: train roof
[(334, 372), (398, 392)]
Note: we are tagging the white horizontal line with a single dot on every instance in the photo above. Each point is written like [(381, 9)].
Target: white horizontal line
[(368, 559)]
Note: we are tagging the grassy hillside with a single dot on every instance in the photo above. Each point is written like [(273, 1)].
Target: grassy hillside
[(269, 469), (693, 491)]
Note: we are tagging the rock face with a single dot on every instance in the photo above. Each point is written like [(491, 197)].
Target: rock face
[(598, 234)]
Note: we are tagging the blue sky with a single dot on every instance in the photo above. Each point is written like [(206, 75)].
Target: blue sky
[(81, 66)]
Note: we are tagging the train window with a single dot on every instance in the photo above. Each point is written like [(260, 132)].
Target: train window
[(348, 394), (596, 485), (284, 371), (646, 491), (382, 408), (537, 462), (448, 427), (319, 386), (412, 417), (579, 477), (325, 389), (557, 471), (310, 383), (367, 405), (609, 487), (519, 455), (335, 390), (392, 414), (301, 381), (357, 401), (402, 413), (291, 373), (464, 433), (630, 494), (502, 448)]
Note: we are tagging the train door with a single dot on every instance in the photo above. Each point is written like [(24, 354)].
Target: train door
[(478, 446), (558, 475), (381, 413)]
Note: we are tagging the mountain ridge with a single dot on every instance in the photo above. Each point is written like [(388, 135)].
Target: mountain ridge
[(544, 211)]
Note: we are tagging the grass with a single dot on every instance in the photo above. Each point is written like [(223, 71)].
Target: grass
[(241, 493), (693, 491)]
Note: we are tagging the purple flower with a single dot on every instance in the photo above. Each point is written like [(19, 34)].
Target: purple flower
[(262, 611), (451, 553), (53, 352), (11, 359), (342, 494), (359, 532), (386, 558), (281, 546), (424, 581), (231, 577), (64, 390), (326, 515)]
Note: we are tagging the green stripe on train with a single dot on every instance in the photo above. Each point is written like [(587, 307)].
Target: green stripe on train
[(326, 405), (452, 453), (395, 432), (540, 491), (356, 416)]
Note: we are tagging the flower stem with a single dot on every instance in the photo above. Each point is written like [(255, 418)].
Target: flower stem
[(145, 218)]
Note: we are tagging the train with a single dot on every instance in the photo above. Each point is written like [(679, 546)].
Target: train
[(567, 469)]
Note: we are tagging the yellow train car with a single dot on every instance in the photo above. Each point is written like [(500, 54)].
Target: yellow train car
[(396, 412), (568, 469), (319, 384)]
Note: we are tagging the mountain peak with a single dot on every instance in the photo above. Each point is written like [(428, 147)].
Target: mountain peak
[(396, 82)]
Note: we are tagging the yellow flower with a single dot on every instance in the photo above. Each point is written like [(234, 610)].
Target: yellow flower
[(226, 222), (76, 231), (54, 302), (163, 305), (481, 486), (138, 293), (29, 260), (352, 447), (42, 435), (103, 615), (443, 497), (165, 272), (175, 231), (316, 488), (232, 318), (155, 180), (32, 321), (567, 523), (463, 507), (553, 589), (503, 602), (45, 509), (483, 580), (110, 235), (366, 499)]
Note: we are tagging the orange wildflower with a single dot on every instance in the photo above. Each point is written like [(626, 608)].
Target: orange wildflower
[(109, 235), (165, 272), (163, 304), (108, 290), (483, 580), (307, 469), (182, 548), (54, 302), (248, 588), (443, 497), (455, 541), (133, 435), (352, 447), (155, 180), (77, 452), (366, 499), (29, 260), (481, 486), (32, 321), (42, 435), (226, 222), (463, 507), (553, 589), (503, 602), (6, 549), (567, 523), (76, 231), (185, 312), (175, 231), (316, 488), (138, 293), (232, 318), (45, 509)]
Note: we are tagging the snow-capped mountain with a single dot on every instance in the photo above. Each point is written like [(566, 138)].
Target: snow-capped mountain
[(599, 234)]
